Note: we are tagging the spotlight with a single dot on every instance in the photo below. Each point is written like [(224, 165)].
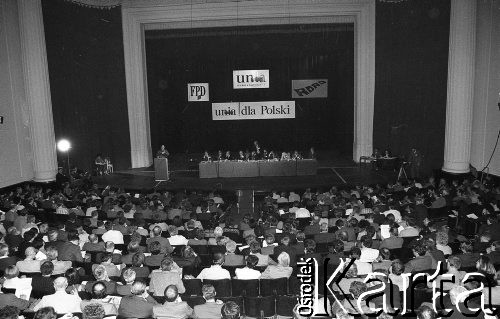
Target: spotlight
[(63, 145)]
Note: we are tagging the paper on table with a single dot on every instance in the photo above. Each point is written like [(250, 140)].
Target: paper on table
[(472, 216), (385, 231)]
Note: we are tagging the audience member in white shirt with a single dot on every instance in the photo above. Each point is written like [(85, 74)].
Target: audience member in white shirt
[(248, 272)]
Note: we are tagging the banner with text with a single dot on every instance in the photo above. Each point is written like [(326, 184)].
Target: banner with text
[(198, 92), (253, 110), (251, 79), (308, 89)]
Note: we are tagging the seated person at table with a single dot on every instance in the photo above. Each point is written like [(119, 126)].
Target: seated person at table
[(387, 154), (265, 155), (206, 157), (220, 156), (241, 156), (296, 155), (285, 156), (228, 156)]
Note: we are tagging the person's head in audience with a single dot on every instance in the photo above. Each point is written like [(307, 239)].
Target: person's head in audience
[(133, 247), (250, 239), (98, 291), (255, 247), (138, 259), (51, 253), (200, 234), (43, 228), (53, 234), (110, 246), (336, 246), (93, 311), (343, 236), (11, 272), (309, 246), (230, 247), (454, 263), (154, 248), (167, 263), (73, 238), (366, 242), (60, 284), (4, 250), (284, 259), (355, 253), (419, 248), (425, 312), (352, 272), (251, 261), (101, 224), (72, 276), (46, 268), (269, 239), (485, 266), (442, 238), (45, 313), (129, 276), (30, 253), (230, 310), (107, 258), (466, 247), (188, 253), (218, 259), (385, 254), (172, 230), (156, 231), (394, 231), (208, 292), (218, 231), (100, 273), (171, 293), (138, 287), (93, 238), (397, 267), (285, 240)]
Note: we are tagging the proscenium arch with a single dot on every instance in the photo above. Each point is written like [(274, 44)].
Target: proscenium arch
[(141, 15)]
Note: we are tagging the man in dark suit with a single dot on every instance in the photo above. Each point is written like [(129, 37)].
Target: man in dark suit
[(70, 250), (43, 284), (110, 248), (156, 255), (93, 244), (137, 305), (421, 261)]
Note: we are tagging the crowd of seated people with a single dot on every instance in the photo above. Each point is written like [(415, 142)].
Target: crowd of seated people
[(180, 255)]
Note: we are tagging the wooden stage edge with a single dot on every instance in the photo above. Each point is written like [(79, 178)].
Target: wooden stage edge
[(140, 179)]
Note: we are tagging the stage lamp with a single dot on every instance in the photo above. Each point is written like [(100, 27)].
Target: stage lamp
[(64, 146)]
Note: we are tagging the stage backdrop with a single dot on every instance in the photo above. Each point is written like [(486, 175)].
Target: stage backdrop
[(176, 58), (85, 55)]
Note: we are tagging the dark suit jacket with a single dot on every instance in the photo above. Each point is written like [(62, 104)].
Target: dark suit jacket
[(418, 264), (154, 260), (123, 290), (469, 260), (70, 251), (115, 259), (136, 307), (324, 238), (90, 247), (42, 286)]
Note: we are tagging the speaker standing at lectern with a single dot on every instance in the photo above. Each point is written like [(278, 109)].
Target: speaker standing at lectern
[(162, 152)]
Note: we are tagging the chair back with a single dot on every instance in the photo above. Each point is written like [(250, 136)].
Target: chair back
[(285, 305), (272, 287), (259, 307), (246, 288), (222, 286), (193, 287)]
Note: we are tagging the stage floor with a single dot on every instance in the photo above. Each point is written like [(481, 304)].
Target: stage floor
[(143, 178)]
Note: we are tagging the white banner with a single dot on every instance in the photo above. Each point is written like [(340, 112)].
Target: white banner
[(307, 89), (251, 79), (253, 110), (198, 92)]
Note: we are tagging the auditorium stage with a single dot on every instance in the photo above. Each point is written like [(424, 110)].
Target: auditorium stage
[(143, 178)]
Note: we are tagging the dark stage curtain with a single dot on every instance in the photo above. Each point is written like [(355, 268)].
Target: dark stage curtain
[(177, 57), (411, 77), (87, 81)]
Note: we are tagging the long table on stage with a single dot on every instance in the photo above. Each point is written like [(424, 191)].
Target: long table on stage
[(258, 168)]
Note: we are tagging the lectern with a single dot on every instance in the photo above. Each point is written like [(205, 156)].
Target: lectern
[(161, 169)]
